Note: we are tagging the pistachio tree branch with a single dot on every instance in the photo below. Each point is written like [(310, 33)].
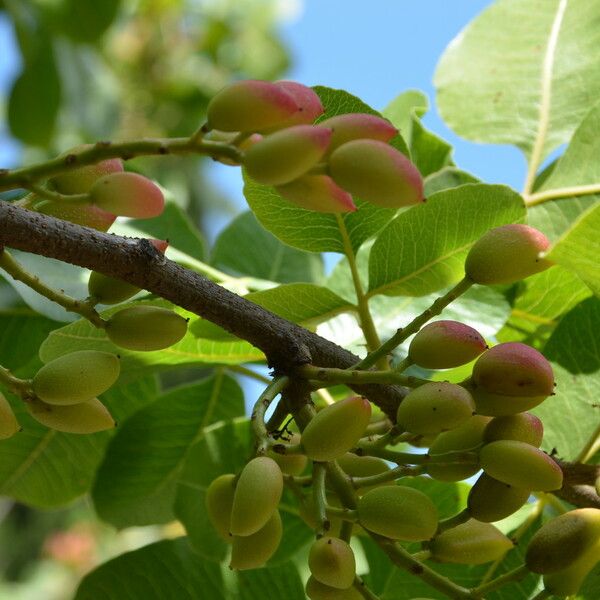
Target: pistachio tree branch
[(285, 344)]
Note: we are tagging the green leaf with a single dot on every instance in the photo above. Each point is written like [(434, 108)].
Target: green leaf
[(166, 570), (491, 78), (309, 230), (245, 248), (542, 299), (557, 217), (136, 482), (56, 274), (21, 333), (175, 226), (428, 151), (579, 248), (35, 98), (402, 108), (171, 570), (87, 20), (46, 468), (571, 416), (190, 351), (423, 249), (448, 177), (578, 166)]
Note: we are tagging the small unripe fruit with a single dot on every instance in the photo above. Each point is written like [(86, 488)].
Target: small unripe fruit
[(87, 417), (435, 407), (507, 254), (398, 512), (291, 464), (76, 377), (317, 192), (468, 437), (8, 422), (309, 103), (249, 106), (145, 328), (336, 429), (470, 543), (563, 540), (331, 561), (356, 126), (257, 495), (523, 427), (128, 194), (219, 502), (498, 405), (445, 345), (286, 155), (521, 465), (80, 214), (513, 369), (107, 290), (79, 181), (253, 551), (376, 172), (363, 466), (492, 500), (316, 590)]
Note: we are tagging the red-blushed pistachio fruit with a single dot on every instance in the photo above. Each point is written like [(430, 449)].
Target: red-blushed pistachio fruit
[(356, 126), (492, 500), (257, 495), (521, 465), (522, 427), (336, 429), (309, 103), (8, 422), (145, 328), (467, 437), (563, 540), (507, 254), (219, 502), (317, 192), (80, 214), (513, 369), (128, 195), (398, 512), (107, 290), (446, 344), (254, 550), (498, 405), (250, 106), (470, 543), (76, 377), (316, 590), (331, 561), (435, 407), (287, 154), (79, 181), (376, 172), (87, 417)]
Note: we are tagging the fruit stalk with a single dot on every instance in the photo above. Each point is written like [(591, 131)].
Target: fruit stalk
[(258, 413)]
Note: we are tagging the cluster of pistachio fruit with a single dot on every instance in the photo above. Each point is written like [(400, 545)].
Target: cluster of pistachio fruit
[(479, 424), (319, 166)]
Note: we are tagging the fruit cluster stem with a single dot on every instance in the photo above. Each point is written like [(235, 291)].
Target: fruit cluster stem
[(20, 387), (515, 575), (334, 376), (260, 408), (81, 307), (405, 332)]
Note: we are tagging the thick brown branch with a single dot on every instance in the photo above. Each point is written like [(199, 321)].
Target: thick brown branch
[(285, 344)]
